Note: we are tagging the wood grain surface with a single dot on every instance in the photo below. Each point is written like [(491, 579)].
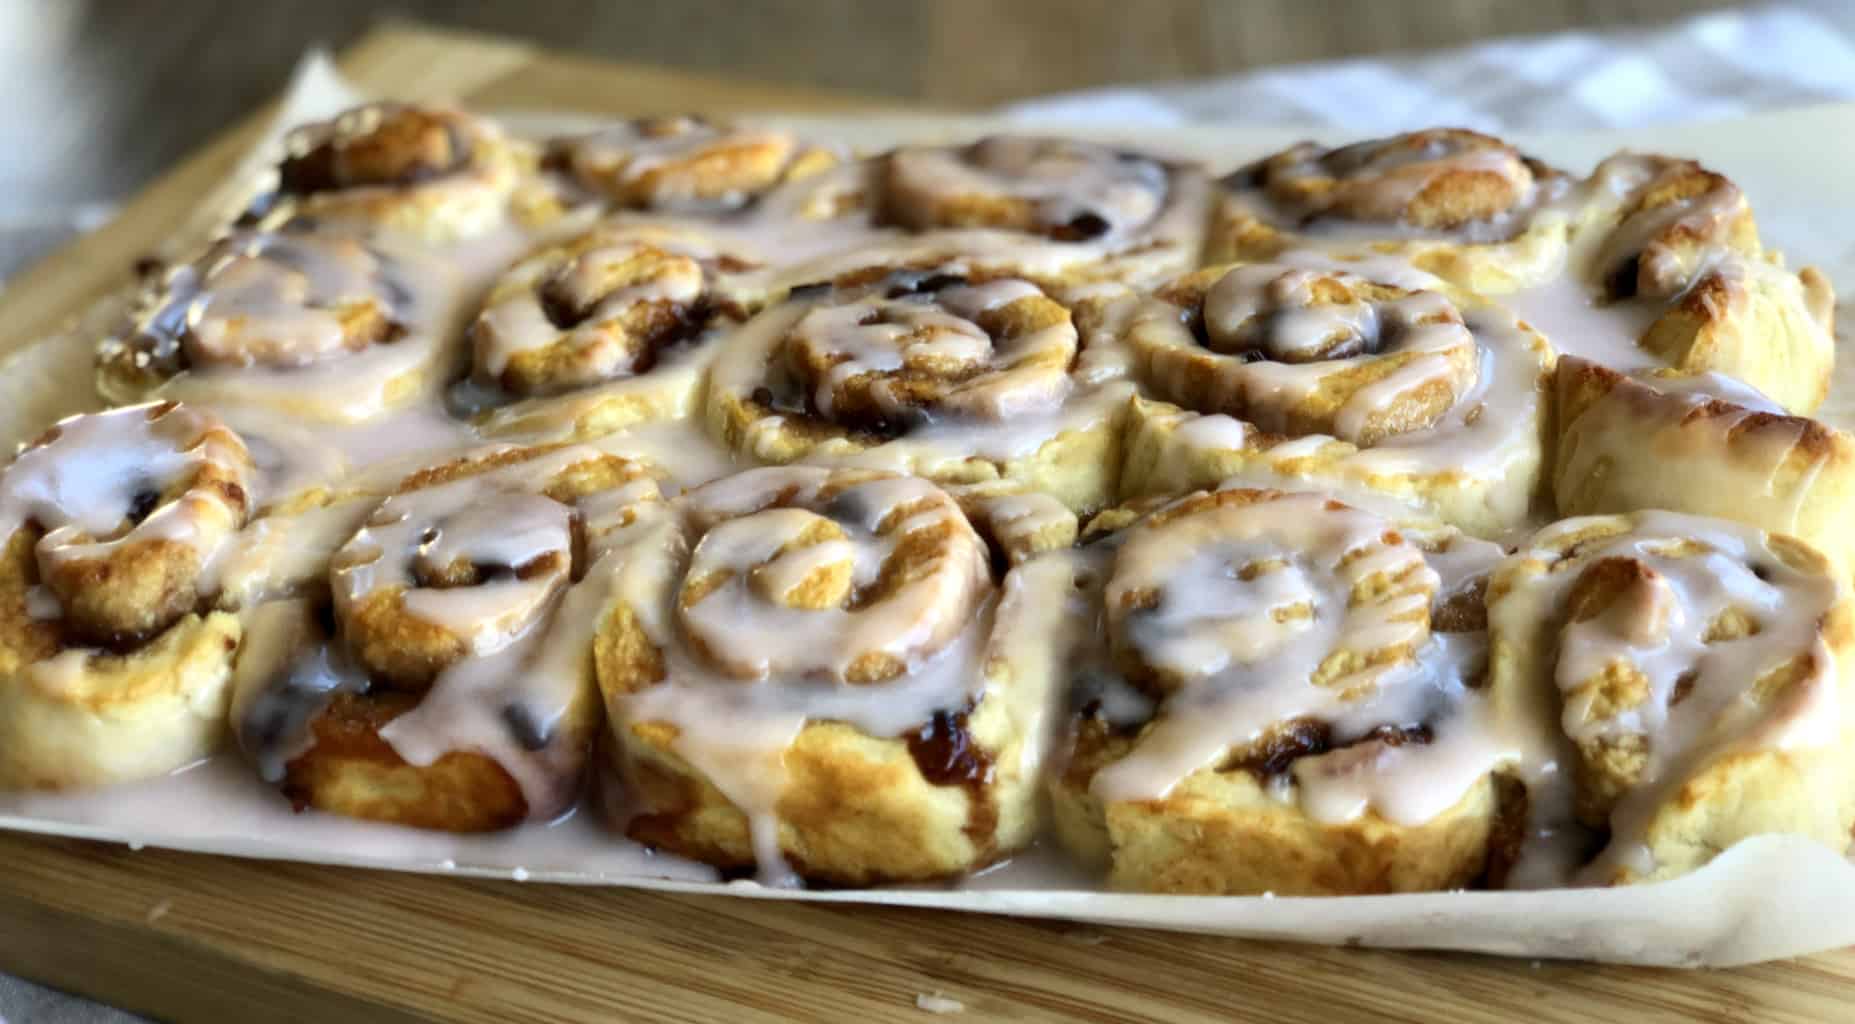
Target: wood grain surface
[(195, 938)]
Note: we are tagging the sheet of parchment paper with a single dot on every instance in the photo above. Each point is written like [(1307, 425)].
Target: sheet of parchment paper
[(1767, 898)]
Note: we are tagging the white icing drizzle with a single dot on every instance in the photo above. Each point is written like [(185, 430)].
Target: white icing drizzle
[(1071, 187), (1491, 360), (1697, 707), (81, 485), (745, 673), (1273, 590), (1365, 192)]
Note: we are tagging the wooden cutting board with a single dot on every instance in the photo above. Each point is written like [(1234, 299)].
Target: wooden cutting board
[(197, 938)]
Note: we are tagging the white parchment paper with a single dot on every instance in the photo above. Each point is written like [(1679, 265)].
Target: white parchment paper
[(1767, 898)]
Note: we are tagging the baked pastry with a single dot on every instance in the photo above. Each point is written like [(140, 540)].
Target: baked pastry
[(433, 172), (1674, 261), (685, 164), (955, 379), (602, 331), (1280, 693), (1350, 374), (113, 664), (1060, 212), (446, 680), (1464, 206), (1695, 668), (314, 325), (816, 672), (1702, 444)]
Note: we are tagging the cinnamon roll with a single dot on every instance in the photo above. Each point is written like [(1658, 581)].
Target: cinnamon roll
[(1351, 374), (1464, 206), (113, 663), (443, 679), (1278, 693), (316, 325), (1056, 211), (959, 380), (686, 164), (1676, 264), (603, 331), (435, 173), (1703, 444), (816, 673), (1694, 667)]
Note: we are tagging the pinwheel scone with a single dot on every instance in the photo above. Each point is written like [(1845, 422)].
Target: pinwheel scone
[(315, 325), (961, 380), (1364, 375), (1695, 669), (1673, 259), (114, 663), (1702, 444), (816, 673), (442, 678), (1464, 206), (1277, 692)]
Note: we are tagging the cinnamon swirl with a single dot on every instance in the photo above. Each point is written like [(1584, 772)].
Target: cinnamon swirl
[(113, 663), (1464, 206), (317, 325), (1694, 667), (1674, 262), (959, 380), (686, 164), (1279, 693), (1350, 374), (432, 172), (603, 331), (815, 671), (445, 681)]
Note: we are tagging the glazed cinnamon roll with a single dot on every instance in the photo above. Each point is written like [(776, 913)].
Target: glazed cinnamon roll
[(956, 379), (445, 680), (815, 673), (1057, 211), (1703, 444), (432, 172), (316, 325), (1694, 667), (1280, 693), (602, 331), (686, 164), (1464, 206), (1352, 374), (1675, 263), (113, 663)]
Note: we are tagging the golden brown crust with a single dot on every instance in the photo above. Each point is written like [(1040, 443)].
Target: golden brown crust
[(1462, 205), (351, 771), (435, 172), (657, 163), (1627, 444)]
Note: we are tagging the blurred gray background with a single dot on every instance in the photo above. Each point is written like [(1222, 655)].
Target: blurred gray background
[(103, 94)]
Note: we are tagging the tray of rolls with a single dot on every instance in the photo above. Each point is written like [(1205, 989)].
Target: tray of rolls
[(1418, 541)]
